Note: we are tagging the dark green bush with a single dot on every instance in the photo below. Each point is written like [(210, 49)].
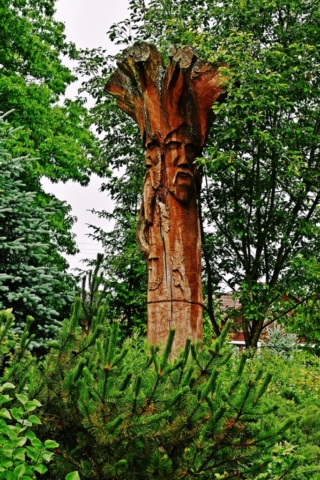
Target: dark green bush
[(131, 412)]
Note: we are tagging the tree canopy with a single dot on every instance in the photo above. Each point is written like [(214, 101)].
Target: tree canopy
[(56, 135), (260, 199), (33, 78)]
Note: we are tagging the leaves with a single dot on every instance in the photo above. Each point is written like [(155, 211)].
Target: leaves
[(22, 398), (132, 417), (73, 476), (21, 452), (34, 419), (51, 444), (260, 199)]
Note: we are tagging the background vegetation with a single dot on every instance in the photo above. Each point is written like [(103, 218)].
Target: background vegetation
[(112, 406), (259, 201)]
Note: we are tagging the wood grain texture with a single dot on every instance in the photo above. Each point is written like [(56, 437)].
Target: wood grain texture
[(172, 107)]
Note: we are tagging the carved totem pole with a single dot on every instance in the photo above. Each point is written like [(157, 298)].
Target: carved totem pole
[(172, 107)]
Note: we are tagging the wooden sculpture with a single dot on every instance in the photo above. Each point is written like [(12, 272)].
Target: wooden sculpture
[(172, 107)]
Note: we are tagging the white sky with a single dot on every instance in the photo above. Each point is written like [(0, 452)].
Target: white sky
[(87, 22)]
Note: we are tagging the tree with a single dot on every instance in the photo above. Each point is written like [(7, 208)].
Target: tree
[(124, 411), (32, 80), (32, 281), (261, 198)]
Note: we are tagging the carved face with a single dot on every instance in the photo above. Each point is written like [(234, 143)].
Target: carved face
[(177, 152), (180, 153)]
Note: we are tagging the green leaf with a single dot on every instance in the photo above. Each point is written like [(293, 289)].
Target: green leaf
[(36, 443), (4, 398), (73, 476), (22, 441), (9, 476), (51, 444), (30, 434), (32, 405), (19, 454), (34, 419), (6, 463), (22, 398), (4, 413), (17, 413), (6, 386), (19, 471), (41, 468), (32, 453), (47, 456)]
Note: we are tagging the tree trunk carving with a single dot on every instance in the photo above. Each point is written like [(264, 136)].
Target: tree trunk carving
[(172, 107)]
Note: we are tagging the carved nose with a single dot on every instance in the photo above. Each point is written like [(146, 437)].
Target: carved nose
[(183, 161)]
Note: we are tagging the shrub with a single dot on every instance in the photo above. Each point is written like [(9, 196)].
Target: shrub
[(22, 454), (131, 412)]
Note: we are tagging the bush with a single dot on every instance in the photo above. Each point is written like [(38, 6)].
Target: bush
[(22, 454), (131, 412), (296, 388)]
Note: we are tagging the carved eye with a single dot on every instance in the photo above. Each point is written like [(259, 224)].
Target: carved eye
[(151, 146), (173, 145), (190, 149)]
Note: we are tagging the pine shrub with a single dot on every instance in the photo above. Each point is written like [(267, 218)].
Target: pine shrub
[(131, 411)]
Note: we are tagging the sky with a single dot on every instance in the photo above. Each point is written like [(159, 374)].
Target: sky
[(86, 22)]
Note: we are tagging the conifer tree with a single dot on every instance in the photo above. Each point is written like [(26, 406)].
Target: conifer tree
[(132, 412), (31, 280)]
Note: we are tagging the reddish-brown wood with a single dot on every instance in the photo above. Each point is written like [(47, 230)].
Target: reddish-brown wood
[(172, 107)]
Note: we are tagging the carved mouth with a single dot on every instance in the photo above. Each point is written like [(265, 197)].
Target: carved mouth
[(185, 177)]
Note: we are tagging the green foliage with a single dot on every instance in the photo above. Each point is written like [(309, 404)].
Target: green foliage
[(260, 198), (22, 454), (32, 77), (279, 341), (124, 271), (295, 386), (14, 351), (55, 132), (113, 284), (305, 322), (123, 266), (31, 280), (94, 292), (132, 412)]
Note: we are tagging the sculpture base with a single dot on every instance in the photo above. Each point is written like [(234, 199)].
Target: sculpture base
[(183, 316)]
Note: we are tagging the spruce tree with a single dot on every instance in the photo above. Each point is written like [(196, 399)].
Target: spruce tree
[(31, 283)]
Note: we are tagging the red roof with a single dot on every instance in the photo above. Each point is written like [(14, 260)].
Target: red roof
[(228, 302)]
